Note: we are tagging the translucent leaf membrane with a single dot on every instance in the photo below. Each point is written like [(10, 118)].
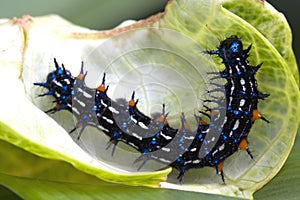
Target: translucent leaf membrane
[(161, 59), (28, 127)]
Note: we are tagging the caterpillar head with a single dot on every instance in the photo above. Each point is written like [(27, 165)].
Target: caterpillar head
[(230, 48)]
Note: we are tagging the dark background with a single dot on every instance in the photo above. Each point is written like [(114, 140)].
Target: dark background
[(106, 14), (291, 11)]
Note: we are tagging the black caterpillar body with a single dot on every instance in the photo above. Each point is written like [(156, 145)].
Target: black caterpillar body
[(180, 148)]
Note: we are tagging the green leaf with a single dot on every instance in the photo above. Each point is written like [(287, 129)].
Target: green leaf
[(43, 154), (58, 190), (284, 185), (29, 128), (264, 20), (271, 143)]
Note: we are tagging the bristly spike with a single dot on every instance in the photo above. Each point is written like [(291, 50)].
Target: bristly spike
[(136, 102), (84, 76), (131, 102), (249, 153), (56, 64), (81, 69), (211, 52), (163, 109), (256, 115), (64, 69), (45, 85), (256, 68), (246, 51), (219, 170), (161, 117), (132, 96), (81, 76), (102, 87), (71, 131), (103, 78), (262, 95), (222, 176), (264, 119), (46, 94), (182, 118), (207, 100), (243, 145), (51, 111), (106, 89), (163, 112)]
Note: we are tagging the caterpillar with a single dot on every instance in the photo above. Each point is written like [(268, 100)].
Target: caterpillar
[(230, 117)]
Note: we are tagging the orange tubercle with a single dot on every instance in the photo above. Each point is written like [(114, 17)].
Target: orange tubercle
[(101, 88), (220, 167), (57, 106), (131, 103), (243, 144), (202, 122), (161, 118), (80, 76), (166, 123), (255, 115)]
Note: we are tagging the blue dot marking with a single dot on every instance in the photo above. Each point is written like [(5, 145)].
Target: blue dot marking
[(236, 112), (179, 160), (234, 47), (181, 139), (145, 151), (116, 134), (59, 71)]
